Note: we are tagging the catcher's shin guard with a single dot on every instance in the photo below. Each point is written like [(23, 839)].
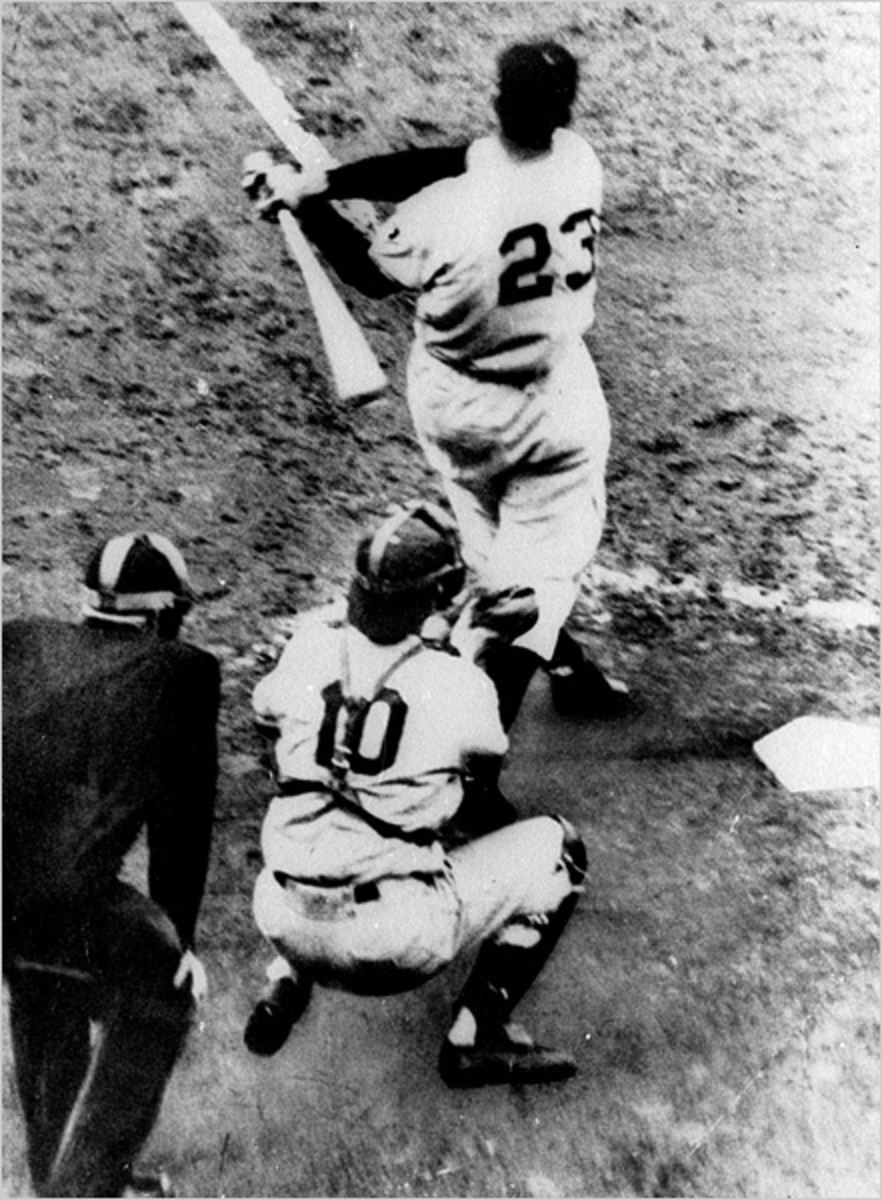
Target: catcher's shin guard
[(484, 808), (484, 1047), (503, 970), (511, 668)]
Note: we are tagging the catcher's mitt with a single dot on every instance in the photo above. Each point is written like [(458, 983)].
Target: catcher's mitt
[(508, 613)]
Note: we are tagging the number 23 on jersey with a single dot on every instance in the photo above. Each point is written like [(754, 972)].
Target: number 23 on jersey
[(529, 247)]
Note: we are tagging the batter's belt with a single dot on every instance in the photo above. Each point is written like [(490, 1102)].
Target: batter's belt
[(512, 378)]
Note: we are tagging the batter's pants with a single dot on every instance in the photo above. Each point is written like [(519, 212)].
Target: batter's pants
[(96, 1029), (414, 927), (524, 470)]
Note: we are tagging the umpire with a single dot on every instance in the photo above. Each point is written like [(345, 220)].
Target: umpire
[(108, 726)]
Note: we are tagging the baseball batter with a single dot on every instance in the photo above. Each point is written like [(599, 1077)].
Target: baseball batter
[(376, 732), (504, 395)]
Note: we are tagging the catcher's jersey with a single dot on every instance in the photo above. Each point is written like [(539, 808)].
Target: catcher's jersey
[(503, 256), (407, 746)]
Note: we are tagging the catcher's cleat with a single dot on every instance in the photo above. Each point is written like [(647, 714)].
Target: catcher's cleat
[(280, 1006), (584, 691), (149, 1185), (503, 1059)]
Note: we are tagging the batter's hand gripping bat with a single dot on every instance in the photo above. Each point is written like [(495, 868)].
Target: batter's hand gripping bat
[(357, 374)]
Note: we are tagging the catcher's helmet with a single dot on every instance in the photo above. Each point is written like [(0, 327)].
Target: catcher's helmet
[(537, 84), (404, 571), (138, 573)]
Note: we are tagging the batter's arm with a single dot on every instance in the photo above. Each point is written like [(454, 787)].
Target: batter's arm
[(345, 248), (383, 177), (394, 177)]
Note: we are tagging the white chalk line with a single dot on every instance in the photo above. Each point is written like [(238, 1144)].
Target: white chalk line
[(845, 614)]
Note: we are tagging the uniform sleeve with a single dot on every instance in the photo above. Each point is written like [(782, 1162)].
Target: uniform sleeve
[(386, 177), (268, 701), (179, 825), (305, 650), (404, 246), (478, 703)]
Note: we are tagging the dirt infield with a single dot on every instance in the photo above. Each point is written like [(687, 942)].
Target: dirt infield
[(161, 367)]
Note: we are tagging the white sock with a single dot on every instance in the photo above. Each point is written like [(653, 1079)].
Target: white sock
[(280, 968), (464, 1029)]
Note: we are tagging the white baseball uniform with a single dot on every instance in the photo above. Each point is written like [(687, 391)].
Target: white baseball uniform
[(503, 392), (406, 720)]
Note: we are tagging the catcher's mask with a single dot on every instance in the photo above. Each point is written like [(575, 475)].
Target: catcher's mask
[(406, 570), (138, 574)]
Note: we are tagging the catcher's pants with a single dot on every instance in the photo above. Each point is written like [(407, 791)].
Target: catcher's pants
[(409, 929), (90, 1099), (524, 470)]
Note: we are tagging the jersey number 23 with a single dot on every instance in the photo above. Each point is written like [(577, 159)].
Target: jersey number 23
[(524, 278)]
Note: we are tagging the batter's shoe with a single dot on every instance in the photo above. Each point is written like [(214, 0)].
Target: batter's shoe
[(282, 1003), (584, 691), (503, 1059)]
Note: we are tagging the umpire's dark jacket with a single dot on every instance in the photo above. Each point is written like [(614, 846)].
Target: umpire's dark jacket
[(105, 728)]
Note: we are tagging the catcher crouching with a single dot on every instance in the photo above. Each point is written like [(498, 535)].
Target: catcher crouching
[(377, 730)]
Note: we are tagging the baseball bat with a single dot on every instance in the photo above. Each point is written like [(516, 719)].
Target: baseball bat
[(358, 376)]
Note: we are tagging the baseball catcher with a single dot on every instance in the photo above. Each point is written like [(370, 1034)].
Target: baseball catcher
[(377, 730)]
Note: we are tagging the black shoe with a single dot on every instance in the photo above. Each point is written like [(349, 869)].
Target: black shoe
[(281, 1005), (502, 1060), (584, 691)]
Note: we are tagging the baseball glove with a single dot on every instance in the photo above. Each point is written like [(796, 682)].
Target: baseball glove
[(508, 613)]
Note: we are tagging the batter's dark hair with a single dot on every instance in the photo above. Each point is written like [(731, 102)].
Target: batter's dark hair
[(537, 84)]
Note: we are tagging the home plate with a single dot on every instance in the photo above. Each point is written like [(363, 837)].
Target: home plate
[(821, 754)]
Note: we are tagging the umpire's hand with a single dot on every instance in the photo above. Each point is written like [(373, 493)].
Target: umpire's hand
[(191, 974)]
